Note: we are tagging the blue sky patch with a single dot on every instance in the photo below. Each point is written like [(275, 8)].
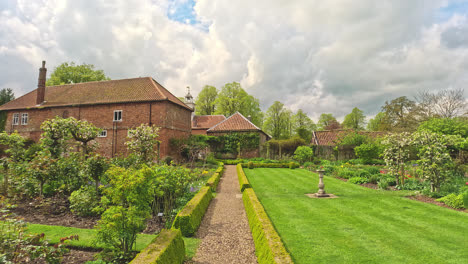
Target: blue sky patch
[(182, 11), (458, 7)]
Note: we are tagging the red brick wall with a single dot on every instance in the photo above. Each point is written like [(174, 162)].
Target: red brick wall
[(173, 120)]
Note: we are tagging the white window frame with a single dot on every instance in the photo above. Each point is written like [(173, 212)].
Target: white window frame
[(24, 118), (15, 119), (103, 133), (121, 114)]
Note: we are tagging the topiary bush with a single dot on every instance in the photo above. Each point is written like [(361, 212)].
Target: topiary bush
[(358, 180), (83, 201)]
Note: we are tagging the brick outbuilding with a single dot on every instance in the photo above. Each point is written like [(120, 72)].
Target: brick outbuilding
[(114, 106)]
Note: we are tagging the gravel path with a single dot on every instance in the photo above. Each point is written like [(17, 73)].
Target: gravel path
[(225, 231)]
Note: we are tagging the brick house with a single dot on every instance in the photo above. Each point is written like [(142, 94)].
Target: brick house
[(237, 123), (114, 106)]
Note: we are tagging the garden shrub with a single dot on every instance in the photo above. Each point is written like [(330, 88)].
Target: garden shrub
[(453, 200), (412, 184), (382, 184), (303, 154), (465, 199), (372, 170), (268, 245), (250, 165), (243, 181), (83, 201), (213, 181), (374, 178), (346, 173), (167, 247), (189, 218), (358, 180), (293, 165), (363, 174)]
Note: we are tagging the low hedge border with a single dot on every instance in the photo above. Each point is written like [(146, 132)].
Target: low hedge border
[(189, 218), (243, 181), (267, 165), (268, 245), (214, 180), (167, 247)]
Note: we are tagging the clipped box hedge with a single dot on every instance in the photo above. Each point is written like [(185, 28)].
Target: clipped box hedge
[(167, 247), (243, 181), (189, 218), (214, 180), (267, 165), (268, 245)]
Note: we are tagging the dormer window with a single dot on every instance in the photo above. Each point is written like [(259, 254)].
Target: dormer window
[(15, 119), (118, 116), (24, 119)]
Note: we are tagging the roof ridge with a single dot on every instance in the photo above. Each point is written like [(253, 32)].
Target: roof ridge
[(102, 81), (237, 112), (248, 120), (157, 86)]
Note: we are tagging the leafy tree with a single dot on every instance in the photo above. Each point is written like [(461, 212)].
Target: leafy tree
[(40, 168), (15, 152), (205, 103), (401, 114), (303, 125), (327, 121), (6, 95), (434, 159), (396, 153), (127, 201), (276, 122), (232, 98), (83, 132), (446, 126), (142, 141), (378, 123), (95, 167), (55, 135), (355, 119), (303, 154), (67, 73), (367, 152)]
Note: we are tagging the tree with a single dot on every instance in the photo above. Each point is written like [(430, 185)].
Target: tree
[(447, 103), (232, 98), (434, 158), (355, 119), (6, 95), (275, 120), (378, 123), (446, 126), (142, 141), (303, 125), (303, 154), (67, 73), (325, 121), (401, 114), (83, 132), (205, 103), (396, 153)]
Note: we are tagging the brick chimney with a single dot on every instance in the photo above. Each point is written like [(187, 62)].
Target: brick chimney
[(41, 84)]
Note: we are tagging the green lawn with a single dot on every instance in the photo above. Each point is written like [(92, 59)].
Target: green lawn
[(87, 237), (361, 226)]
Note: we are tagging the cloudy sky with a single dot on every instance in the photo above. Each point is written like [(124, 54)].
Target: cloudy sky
[(319, 56)]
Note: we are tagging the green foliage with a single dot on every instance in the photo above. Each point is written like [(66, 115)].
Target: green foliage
[(67, 73), (368, 152), (355, 119), (284, 147), (6, 95), (372, 170), (243, 181), (401, 114), (83, 201), (128, 206), (352, 139), (412, 184), (465, 199), (434, 159), (206, 101), (374, 178), (250, 165), (378, 123), (268, 245), (358, 180), (325, 121), (142, 141), (303, 154), (382, 184), (18, 247), (214, 180), (167, 247), (189, 218), (396, 153), (303, 125), (453, 200), (232, 98), (277, 120), (446, 126), (95, 167)]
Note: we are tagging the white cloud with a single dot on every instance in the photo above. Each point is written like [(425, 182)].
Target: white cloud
[(321, 56)]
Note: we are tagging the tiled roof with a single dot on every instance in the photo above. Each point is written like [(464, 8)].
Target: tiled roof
[(102, 92), (236, 122), (206, 121), (330, 137)]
